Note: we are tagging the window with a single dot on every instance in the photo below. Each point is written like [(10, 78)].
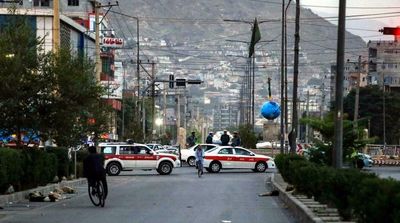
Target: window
[(73, 2), (108, 150), (141, 150), (126, 150), (242, 152), (225, 151), (41, 2)]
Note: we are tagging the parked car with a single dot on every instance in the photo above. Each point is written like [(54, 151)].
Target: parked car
[(169, 149), (155, 146), (188, 155), (228, 157), (125, 156), (363, 160)]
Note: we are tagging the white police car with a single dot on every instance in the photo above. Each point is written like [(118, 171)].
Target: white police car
[(188, 155), (128, 156), (228, 157)]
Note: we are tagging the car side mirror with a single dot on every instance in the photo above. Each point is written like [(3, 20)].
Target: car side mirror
[(252, 154)]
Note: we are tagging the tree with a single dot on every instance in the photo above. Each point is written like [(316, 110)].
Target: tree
[(247, 136), (51, 94), (322, 149), (19, 67), (71, 99), (371, 109)]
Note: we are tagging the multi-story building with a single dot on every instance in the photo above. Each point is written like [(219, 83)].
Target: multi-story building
[(384, 63), (355, 74), (225, 115)]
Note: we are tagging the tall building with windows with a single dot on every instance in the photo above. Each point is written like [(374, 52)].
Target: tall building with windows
[(384, 64)]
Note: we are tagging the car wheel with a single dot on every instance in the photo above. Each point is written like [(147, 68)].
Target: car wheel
[(261, 167), (113, 169), (191, 161), (215, 167), (164, 168)]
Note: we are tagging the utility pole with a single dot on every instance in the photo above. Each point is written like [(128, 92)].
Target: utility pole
[(137, 58), (357, 98), (178, 118), (97, 21), (153, 95), (384, 110), (252, 93), (286, 110), (338, 143), (97, 39), (282, 130), (165, 108), (307, 115), (293, 133), (56, 25)]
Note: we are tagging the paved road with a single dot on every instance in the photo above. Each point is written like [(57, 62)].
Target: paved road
[(386, 171), (230, 196)]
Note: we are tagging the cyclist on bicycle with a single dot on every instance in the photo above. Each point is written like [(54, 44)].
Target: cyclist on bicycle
[(199, 160), (93, 169)]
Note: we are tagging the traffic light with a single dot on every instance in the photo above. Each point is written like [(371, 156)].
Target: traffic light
[(181, 82), (395, 31), (171, 81)]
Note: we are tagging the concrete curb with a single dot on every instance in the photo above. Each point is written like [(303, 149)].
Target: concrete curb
[(301, 212), (18, 196)]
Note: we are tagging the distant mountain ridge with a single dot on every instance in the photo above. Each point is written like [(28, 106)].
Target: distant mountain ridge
[(201, 22)]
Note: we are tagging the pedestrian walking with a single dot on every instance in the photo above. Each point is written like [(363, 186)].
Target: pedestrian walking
[(199, 160)]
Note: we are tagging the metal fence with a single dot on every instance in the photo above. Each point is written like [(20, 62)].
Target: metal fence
[(381, 150)]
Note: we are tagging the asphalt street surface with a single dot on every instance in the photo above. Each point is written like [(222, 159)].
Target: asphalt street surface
[(145, 196)]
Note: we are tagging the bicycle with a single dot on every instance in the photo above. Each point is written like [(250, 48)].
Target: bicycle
[(199, 166), (96, 193)]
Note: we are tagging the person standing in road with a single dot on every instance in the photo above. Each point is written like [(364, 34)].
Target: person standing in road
[(225, 138), (199, 160), (209, 139), (236, 139), (191, 140)]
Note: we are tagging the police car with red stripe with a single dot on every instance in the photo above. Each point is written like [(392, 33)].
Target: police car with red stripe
[(129, 156), (228, 157)]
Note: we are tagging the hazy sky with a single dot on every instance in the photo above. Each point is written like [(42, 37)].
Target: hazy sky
[(330, 8)]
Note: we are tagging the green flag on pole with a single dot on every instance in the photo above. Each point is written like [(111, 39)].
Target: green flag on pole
[(255, 37)]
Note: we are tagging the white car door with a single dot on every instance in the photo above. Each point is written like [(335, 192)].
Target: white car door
[(243, 158), (226, 157), (145, 158), (126, 154)]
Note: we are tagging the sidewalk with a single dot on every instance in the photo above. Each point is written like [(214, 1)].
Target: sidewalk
[(304, 209), (18, 196)]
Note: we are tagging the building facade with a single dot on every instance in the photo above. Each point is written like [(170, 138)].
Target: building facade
[(384, 64)]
